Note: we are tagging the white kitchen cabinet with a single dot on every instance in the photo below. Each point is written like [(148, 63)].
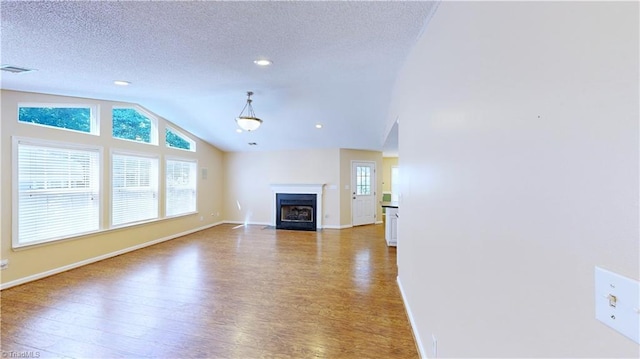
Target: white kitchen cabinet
[(391, 225)]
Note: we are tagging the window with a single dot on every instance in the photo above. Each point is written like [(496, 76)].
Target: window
[(395, 183), (175, 139), (363, 180), (181, 187), (134, 125), (57, 191), (67, 117), (134, 188)]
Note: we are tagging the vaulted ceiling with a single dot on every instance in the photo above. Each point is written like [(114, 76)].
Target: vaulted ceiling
[(334, 63)]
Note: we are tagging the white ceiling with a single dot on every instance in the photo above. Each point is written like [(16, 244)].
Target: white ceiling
[(334, 63)]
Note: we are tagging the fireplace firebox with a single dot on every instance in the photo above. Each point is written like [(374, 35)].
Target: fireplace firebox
[(296, 211)]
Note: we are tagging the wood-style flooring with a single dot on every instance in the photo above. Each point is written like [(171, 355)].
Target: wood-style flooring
[(225, 292)]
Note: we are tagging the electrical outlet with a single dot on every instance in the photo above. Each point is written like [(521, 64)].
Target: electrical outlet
[(4, 264), (201, 218)]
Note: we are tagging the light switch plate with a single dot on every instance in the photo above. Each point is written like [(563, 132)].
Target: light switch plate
[(618, 303)]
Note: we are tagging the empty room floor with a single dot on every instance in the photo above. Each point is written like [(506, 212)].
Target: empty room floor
[(225, 292)]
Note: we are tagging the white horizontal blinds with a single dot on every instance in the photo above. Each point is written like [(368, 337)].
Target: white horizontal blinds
[(134, 189), (181, 187), (58, 192)]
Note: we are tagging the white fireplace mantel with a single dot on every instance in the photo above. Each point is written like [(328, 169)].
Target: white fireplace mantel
[(300, 188)]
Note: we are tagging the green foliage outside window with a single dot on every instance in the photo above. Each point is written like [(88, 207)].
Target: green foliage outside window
[(176, 141), (130, 124), (70, 118)]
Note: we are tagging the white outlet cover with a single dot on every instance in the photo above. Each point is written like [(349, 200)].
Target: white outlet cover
[(624, 317)]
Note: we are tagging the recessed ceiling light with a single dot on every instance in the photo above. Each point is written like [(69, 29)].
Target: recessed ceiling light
[(121, 83), (318, 126), (238, 130), (262, 62)]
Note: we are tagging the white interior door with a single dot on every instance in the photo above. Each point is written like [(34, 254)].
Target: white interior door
[(363, 188)]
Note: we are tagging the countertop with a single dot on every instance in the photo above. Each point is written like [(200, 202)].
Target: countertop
[(389, 204)]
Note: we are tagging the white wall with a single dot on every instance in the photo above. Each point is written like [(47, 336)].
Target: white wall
[(519, 154), (249, 176)]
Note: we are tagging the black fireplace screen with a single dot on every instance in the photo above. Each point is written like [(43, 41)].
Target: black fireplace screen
[(296, 211)]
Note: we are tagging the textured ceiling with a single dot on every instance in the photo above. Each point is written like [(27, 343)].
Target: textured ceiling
[(334, 63)]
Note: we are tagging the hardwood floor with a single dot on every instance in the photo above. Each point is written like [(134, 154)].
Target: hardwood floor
[(225, 292)]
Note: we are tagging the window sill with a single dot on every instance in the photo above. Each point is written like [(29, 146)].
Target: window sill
[(20, 247)]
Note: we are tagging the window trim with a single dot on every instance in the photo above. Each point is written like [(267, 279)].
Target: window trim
[(15, 141), (181, 135), (153, 136), (94, 115), (166, 187), (116, 151)]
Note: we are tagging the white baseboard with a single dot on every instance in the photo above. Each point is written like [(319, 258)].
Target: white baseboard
[(416, 336), (337, 227), (269, 224), (248, 223), (368, 224), (51, 272)]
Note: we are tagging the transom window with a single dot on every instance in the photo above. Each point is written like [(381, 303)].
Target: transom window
[(134, 125), (56, 189), (79, 118), (176, 139)]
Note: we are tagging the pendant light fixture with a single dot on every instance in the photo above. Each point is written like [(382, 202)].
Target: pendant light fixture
[(248, 122)]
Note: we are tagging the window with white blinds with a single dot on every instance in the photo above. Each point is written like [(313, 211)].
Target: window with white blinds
[(181, 187), (57, 191), (134, 188)]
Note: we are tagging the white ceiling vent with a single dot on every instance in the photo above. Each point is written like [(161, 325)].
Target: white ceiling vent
[(15, 69)]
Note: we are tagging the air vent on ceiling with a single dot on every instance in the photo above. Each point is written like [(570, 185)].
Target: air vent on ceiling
[(15, 69)]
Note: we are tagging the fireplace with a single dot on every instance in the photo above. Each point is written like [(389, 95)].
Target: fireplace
[(297, 206), (296, 211)]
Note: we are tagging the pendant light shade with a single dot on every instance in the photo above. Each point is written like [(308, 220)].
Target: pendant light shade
[(248, 121)]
